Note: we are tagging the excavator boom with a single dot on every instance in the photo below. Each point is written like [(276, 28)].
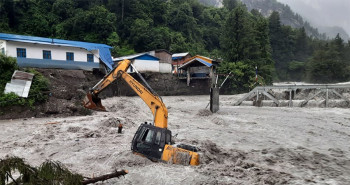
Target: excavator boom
[(159, 110)]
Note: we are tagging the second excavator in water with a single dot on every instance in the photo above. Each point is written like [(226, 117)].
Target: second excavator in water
[(153, 140)]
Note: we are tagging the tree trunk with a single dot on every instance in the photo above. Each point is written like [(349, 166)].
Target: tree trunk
[(105, 177)]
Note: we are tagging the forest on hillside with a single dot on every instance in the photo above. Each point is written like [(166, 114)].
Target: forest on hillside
[(243, 40)]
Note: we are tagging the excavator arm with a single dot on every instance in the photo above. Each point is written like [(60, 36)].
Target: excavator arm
[(153, 101), (152, 141)]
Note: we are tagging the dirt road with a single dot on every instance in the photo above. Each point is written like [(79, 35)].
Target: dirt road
[(239, 145)]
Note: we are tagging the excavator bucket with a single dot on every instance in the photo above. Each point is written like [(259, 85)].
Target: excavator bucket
[(93, 102)]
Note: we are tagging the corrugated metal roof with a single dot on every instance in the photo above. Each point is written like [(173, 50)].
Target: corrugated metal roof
[(20, 83), (105, 54), (20, 75), (134, 56), (194, 60), (179, 54)]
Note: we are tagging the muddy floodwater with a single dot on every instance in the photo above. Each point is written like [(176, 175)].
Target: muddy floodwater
[(238, 144)]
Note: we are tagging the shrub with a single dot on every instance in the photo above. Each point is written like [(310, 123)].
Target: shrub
[(7, 66), (37, 93)]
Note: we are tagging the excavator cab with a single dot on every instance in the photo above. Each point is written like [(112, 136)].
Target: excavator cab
[(150, 141), (155, 143)]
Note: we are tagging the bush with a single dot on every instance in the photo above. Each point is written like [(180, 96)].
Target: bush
[(37, 91), (40, 87), (243, 76), (7, 66)]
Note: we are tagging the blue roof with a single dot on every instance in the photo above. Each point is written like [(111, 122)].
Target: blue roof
[(142, 56), (204, 62), (175, 58), (105, 54)]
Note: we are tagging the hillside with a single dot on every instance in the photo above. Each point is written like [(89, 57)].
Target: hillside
[(331, 32), (288, 17)]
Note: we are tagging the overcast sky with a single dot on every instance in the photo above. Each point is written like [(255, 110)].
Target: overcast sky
[(323, 12)]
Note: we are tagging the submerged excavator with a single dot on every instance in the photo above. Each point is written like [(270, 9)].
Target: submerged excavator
[(152, 140)]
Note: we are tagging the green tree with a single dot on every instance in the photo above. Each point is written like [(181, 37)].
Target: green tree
[(93, 25), (301, 45), (230, 4), (327, 64), (237, 38), (243, 77), (282, 39)]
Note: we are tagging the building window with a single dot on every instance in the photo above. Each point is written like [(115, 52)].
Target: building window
[(90, 57), (2, 50), (46, 54), (21, 52), (70, 56)]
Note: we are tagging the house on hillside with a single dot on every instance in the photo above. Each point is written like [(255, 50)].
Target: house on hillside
[(197, 67), (165, 60), (40, 52), (143, 62), (178, 60)]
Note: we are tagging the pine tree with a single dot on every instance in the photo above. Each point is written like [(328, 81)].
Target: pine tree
[(237, 38)]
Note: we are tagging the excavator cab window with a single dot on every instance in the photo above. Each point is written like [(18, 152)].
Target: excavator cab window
[(168, 139), (157, 141), (150, 141), (148, 137), (141, 133)]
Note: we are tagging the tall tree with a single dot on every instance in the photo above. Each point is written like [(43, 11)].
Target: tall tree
[(230, 4), (237, 37)]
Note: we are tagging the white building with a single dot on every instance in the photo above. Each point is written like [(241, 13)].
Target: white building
[(55, 53), (165, 60)]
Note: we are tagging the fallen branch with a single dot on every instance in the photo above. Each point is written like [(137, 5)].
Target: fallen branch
[(106, 177)]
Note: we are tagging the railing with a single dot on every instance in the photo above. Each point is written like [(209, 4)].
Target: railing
[(264, 90)]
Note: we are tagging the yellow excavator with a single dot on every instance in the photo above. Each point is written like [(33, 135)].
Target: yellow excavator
[(152, 140)]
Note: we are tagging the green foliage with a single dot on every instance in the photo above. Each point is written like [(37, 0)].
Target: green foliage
[(230, 4), (238, 38), (11, 99), (7, 66), (49, 172), (36, 94), (246, 39), (296, 70), (295, 65), (38, 90), (329, 63), (93, 25), (243, 76)]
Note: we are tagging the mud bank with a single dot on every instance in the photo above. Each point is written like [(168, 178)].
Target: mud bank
[(68, 87)]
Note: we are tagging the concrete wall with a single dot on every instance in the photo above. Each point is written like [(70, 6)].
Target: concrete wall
[(35, 51), (56, 64), (165, 68), (164, 84), (146, 65), (164, 57)]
